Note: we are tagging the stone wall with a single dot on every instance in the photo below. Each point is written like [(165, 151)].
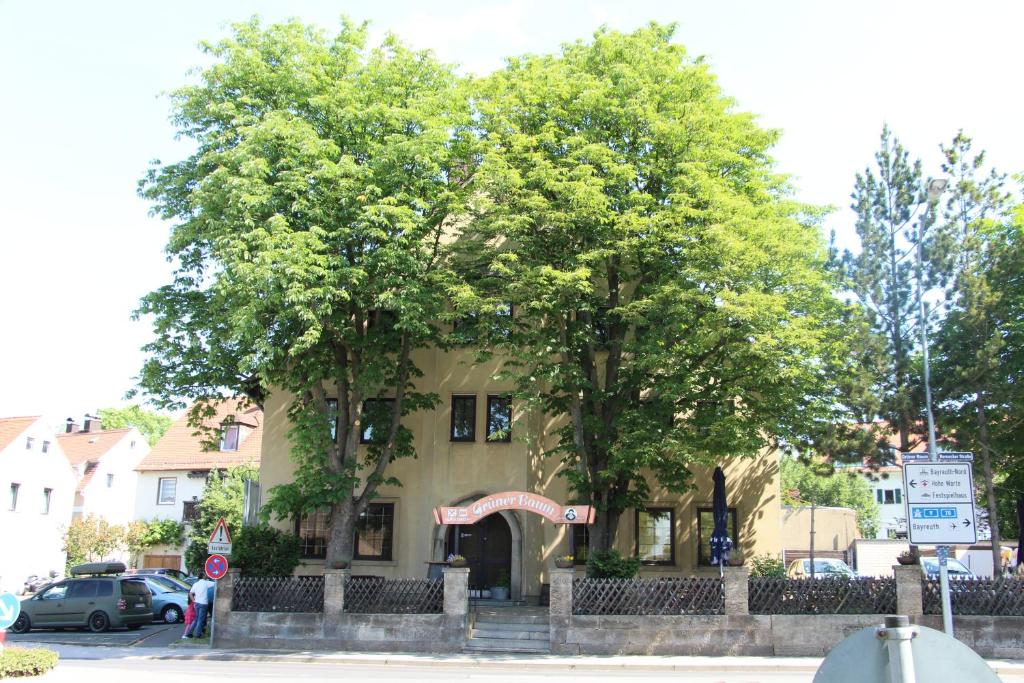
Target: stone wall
[(334, 629), (738, 633)]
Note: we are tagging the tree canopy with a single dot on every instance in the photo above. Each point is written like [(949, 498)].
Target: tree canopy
[(669, 297), (151, 425), (821, 484), (307, 234)]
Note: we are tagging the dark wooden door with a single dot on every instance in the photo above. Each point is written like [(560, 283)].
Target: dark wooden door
[(487, 547)]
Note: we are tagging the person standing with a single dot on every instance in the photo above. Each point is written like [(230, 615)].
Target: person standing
[(200, 593)]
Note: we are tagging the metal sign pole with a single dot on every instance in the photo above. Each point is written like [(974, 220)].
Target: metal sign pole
[(947, 609)]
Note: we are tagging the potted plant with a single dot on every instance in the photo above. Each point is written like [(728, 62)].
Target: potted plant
[(910, 556), (565, 561), (457, 561), (500, 590)]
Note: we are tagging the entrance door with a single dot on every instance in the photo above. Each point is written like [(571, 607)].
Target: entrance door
[(487, 547)]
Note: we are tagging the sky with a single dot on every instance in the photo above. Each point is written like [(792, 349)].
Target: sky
[(82, 116)]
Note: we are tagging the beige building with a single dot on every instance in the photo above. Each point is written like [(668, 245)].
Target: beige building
[(465, 453)]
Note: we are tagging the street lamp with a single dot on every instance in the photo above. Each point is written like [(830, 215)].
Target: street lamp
[(935, 188)]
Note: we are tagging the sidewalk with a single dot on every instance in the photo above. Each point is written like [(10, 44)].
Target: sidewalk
[(482, 661)]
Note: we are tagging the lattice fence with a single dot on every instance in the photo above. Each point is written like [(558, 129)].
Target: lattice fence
[(1003, 597), (278, 594), (648, 596), (781, 595), (378, 595)]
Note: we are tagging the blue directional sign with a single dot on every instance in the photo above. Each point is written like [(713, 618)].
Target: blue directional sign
[(10, 608)]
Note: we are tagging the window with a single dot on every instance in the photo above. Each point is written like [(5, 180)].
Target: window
[(706, 528), (84, 588), (463, 418), (14, 496), (499, 419), (54, 592), (889, 496), (655, 543), (46, 447), (190, 511), (229, 438), (580, 543), (28, 443), (375, 420), (110, 480), (503, 324), (47, 494), (312, 533), (375, 532), (166, 490)]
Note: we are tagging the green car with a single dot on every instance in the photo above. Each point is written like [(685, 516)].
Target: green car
[(91, 598)]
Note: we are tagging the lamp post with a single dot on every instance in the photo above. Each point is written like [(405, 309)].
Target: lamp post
[(935, 188)]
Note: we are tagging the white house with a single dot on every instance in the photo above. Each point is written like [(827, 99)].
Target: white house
[(38, 486), (104, 461), (173, 475)]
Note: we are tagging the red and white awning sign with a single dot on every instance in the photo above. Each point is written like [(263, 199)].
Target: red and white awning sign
[(515, 500)]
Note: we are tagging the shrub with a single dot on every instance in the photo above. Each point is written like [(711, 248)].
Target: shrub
[(17, 661), (766, 565), (195, 558), (265, 551), (609, 564)]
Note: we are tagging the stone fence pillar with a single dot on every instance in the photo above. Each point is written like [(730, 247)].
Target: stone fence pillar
[(560, 608), (908, 590), (334, 592), (456, 607), (222, 604), (736, 584)]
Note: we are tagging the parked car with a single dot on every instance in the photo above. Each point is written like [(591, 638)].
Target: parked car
[(95, 596), (823, 567), (170, 599), (955, 569), (162, 571)]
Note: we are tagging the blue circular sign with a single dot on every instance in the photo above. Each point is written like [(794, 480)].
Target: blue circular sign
[(10, 608), (216, 566)]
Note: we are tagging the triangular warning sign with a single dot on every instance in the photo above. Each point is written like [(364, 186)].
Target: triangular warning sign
[(220, 533)]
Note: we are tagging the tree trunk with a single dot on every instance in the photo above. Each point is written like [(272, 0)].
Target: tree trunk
[(990, 493), (341, 545)]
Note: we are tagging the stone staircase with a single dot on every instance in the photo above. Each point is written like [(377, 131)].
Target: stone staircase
[(510, 629)]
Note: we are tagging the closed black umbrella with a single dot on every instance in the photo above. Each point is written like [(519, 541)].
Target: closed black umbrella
[(1020, 532), (721, 544)]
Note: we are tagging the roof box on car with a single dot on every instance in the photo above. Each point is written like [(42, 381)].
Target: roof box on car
[(98, 568)]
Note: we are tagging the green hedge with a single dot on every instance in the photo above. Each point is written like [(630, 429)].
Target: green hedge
[(17, 661)]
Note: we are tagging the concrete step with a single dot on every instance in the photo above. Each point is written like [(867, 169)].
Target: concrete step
[(501, 645), (505, 626), (508, 634), (512, 617)]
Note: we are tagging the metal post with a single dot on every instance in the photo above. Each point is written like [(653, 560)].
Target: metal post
[(897, 634), (947, 607), (935, 188), (811, 559)]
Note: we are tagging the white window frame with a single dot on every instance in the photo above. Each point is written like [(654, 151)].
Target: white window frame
[(160, 498)]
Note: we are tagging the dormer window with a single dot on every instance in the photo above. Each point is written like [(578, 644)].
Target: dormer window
[(28, 443), (229, 438)]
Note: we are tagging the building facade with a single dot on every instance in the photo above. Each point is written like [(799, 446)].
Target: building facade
[(476, 444), (172, 477), (38, 486)]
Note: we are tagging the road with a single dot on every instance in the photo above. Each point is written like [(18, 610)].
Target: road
[(150, 635)]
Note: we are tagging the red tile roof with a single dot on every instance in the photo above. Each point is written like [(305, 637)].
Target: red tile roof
[(11, 427), (180, 448), (82, 446)]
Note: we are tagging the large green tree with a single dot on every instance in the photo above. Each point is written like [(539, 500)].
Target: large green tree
[(979, 353), (820, 483), (152, 425), (307, 233), (881, 276), (668, 297)]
